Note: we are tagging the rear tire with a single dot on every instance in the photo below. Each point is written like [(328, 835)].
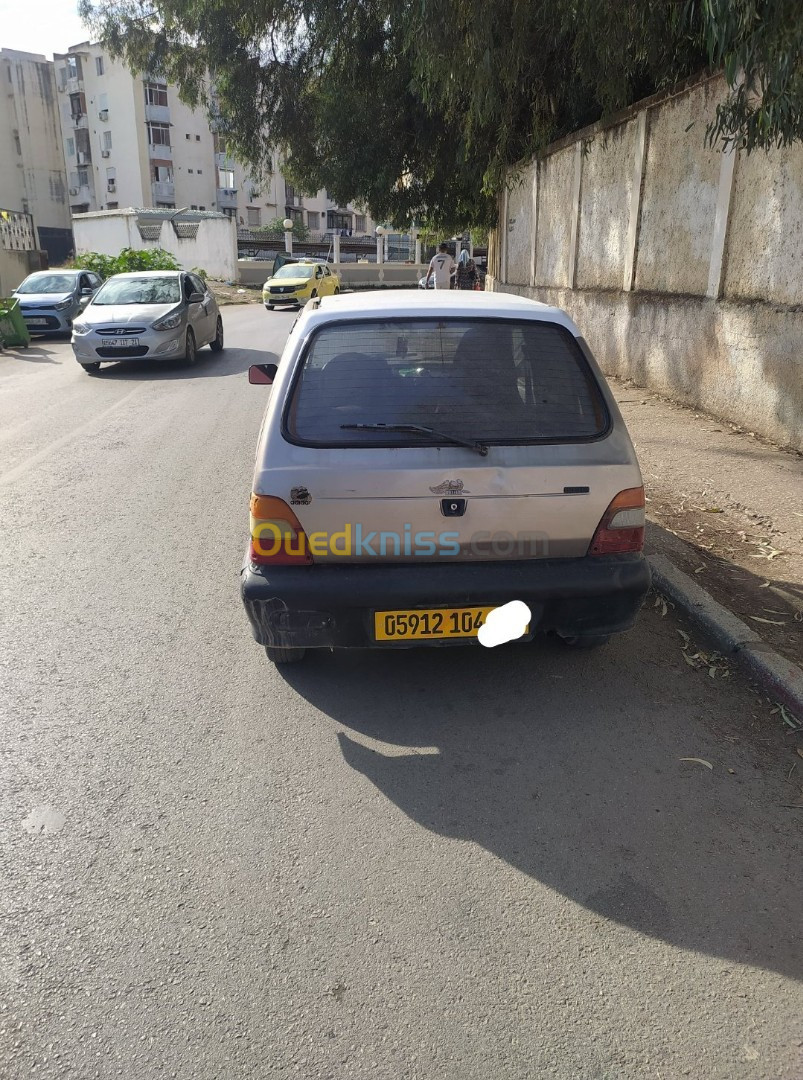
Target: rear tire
[(91, 369), (284, 656), (337, 290), (593, 642), (216, 344), (191, 351)]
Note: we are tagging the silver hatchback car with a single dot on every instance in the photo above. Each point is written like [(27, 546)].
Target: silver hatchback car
[(153, 314), (429, 457)]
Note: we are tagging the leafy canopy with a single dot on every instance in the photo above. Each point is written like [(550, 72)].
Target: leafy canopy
[(417, 109)]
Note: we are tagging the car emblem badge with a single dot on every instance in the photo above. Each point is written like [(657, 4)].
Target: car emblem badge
[(450, 487), (299, 496)]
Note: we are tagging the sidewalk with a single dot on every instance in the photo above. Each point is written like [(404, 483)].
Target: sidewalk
[(725, 507)]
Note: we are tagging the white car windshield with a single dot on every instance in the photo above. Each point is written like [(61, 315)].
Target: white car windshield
[(144, 290), (486, 380), (48, 283), (292, 270)]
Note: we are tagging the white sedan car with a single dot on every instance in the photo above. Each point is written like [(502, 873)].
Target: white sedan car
[(153, 314)]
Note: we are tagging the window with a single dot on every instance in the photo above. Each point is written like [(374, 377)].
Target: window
[(103, 102), (77, 106), (197, 284), (165, 206), (202, 208), (83, 176), (156, 93), (289, 193), (189, 171), (230, 211), (197, 138), (200, 172), (359, 223), (225, 178), (163, 174), (107, 140), (17, 143), (158, 134), (338, 221), (501, 381), (188, 137), (193, 206), (98, 65), (313, 220), (254, 215), (71, 148), (295, 214), (112, 206), (72, 67)]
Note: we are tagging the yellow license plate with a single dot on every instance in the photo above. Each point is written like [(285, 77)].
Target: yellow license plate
[(429, 623)]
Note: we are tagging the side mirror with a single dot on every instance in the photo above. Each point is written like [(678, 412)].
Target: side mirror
[(262, 374), (196, 298), (87, 292)]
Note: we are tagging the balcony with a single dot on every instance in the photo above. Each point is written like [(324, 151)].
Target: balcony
[(226, 197), (160, 151), (163, 189), (79, 120), (81, 195), (158, 113)]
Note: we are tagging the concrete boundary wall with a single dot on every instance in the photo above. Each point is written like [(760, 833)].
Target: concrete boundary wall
[(682, 265)]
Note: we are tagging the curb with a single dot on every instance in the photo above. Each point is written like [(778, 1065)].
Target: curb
[(782, 679)]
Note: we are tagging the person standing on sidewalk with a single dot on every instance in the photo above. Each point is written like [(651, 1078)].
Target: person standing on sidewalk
[(466, 276), (443, 266)]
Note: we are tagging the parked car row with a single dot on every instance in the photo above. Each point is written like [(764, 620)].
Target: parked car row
[(153, 314)]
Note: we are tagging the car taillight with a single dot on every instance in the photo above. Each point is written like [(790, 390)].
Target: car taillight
[(622, 526), (277, 538)]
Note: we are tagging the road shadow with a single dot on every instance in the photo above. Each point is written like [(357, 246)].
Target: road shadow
[(36, 353), (209, 365), (567, 767)]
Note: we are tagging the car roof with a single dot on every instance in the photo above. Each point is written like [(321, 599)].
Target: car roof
[(57, 272), (455, 303), (148, 273)]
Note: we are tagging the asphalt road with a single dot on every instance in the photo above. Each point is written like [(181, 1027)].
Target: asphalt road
[(464, 864)]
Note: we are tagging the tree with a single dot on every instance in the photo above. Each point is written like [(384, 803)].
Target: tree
[(418, 110)]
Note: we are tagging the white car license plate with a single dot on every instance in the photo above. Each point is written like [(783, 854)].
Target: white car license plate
[(120, 343), (36, 322)]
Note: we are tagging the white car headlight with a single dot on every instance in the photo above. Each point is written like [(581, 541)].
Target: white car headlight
[(80, 327), (170, 322)]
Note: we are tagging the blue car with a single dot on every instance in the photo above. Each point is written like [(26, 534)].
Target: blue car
[(51, 299)]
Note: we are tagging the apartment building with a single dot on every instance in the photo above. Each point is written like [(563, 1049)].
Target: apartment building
[(258, 203), (129, 141), (32, 176)]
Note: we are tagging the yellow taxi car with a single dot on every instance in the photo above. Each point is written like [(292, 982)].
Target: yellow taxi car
[(297, 282)]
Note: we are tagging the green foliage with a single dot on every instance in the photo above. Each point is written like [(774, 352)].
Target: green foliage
[(276, 228), (418, 110), (202, 274), (128, 260)]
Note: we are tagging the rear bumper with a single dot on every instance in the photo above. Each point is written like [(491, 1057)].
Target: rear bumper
[(333, 606)]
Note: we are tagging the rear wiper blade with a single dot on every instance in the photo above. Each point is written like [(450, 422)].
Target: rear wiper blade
[(417, 429)]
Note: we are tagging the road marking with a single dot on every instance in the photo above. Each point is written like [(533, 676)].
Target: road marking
[(46, 451)]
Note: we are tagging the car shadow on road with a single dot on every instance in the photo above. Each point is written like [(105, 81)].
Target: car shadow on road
[(37, 352), (567, 766), (209, 365)]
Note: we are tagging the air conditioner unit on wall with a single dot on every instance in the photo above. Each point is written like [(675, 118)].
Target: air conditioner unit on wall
[(73, 190), (111, 185), (103, 114), (105, 153)]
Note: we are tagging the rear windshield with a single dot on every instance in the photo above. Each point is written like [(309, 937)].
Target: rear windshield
[(497, 381)]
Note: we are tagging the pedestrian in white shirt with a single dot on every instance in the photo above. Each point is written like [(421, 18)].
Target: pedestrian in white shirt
[(443, 267)]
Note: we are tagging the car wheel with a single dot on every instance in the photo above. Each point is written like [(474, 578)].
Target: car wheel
[(284, 656), (592, 642), (313, 294), (91, 369), (216, 344), (337, 290), (191, 351)]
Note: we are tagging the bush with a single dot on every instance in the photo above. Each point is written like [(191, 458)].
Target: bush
[(276, 228), (129, 259)]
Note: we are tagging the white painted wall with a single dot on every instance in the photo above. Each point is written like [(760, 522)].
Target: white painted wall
[(214, 249), (688, 263)]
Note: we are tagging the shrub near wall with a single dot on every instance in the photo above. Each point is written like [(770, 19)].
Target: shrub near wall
[(128, 261)]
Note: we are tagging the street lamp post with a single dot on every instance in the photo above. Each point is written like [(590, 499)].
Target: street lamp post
[(380, 233), (287, 224)]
